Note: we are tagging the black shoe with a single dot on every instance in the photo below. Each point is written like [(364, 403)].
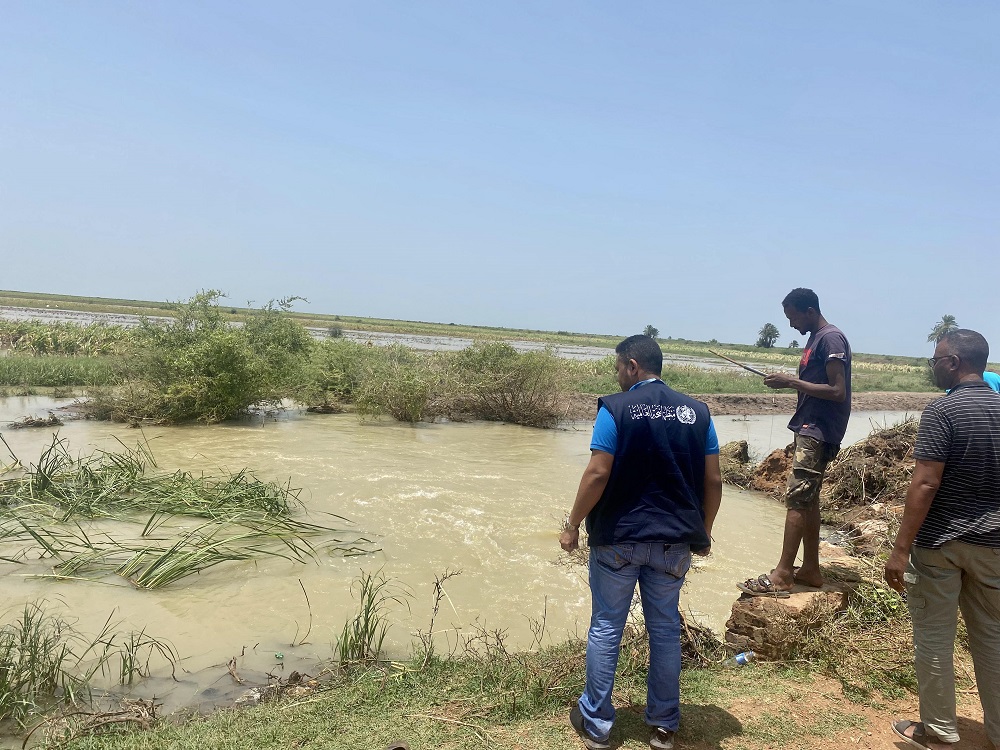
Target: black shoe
[(576, 721), (662, 739)]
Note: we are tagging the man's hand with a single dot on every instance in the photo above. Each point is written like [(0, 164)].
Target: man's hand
[(779, 380), (592, 484), (569, 540), (702, 552), (895, 568), (923, 487)]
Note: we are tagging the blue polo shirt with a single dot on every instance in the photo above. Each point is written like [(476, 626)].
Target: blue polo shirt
[(992, 380), (605, 437)]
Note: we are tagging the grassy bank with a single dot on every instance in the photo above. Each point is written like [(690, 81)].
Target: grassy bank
[(854, 680), (849, 673), (453, 705), (594, 377), (198, 366)]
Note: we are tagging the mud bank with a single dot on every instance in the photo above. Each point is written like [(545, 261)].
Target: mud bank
[(583, 406)]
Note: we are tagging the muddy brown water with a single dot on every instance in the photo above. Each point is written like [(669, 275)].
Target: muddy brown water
[(486, 499)]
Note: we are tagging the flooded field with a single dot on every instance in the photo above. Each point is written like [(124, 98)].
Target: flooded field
[(486, 499), (413, 341)]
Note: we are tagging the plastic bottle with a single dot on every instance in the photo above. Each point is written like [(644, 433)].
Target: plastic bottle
[(739, 660)]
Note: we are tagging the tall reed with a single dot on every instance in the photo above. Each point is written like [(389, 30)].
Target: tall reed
[(46, 513), (363, 635)]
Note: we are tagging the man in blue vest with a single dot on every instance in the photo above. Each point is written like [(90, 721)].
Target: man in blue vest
[(649, 494)]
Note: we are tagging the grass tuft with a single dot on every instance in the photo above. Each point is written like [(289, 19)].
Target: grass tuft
[(360, 642)]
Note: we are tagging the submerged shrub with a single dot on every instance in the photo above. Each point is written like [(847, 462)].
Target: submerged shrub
[(44, 661), (336, 369), (499, 383), (39, 664), (399, 383), (198, 367), (490, 381)]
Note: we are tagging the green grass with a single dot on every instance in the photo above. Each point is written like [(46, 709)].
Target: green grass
[(36, 337), (484, 695), (43, 511), (361, 639), (17, 370), (451, 705), (200, 368), (45, 661), (599, 377)]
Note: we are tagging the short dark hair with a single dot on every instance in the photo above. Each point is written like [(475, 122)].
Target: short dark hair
[(644, 350), (801, 299), (969, 345)]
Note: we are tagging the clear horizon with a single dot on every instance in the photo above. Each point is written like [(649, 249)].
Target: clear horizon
[(558, 166)]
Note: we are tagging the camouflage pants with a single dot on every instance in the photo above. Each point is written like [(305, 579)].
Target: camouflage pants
[(808, 467)]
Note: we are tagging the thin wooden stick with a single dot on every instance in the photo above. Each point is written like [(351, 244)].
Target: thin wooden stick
[(740, 364), (476, 729)]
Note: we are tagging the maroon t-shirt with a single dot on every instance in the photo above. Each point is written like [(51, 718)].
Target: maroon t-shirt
[(816, 417)]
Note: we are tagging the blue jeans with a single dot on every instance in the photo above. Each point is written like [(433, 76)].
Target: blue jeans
[(614, 570)]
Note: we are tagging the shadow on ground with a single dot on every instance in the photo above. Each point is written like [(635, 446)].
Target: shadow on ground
[(702, 727)]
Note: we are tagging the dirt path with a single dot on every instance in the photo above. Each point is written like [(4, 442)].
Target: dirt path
[(870, 728)]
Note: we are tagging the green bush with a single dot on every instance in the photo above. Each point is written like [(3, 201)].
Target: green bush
[(335, 371), (400, 383), (496, 382), (489, 380), (198, 367)]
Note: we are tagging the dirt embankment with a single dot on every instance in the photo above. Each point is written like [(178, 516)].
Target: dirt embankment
[(582, 406), (784, 403), (864, 488)]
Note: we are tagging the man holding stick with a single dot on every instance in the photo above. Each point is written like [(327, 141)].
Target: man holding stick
[(947, 551), (819, 424)]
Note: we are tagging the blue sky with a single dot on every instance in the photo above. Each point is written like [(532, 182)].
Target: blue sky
[(583, 166)]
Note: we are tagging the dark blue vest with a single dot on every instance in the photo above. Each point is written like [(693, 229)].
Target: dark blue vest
[(657, 480)]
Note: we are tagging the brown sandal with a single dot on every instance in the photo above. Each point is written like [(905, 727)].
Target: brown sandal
[(918, 737), (762, 586)]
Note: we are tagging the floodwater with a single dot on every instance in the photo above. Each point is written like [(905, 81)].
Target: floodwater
[(481, 498), (767, 432)]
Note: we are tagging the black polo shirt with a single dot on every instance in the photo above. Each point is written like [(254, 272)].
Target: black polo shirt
[(962, 430)]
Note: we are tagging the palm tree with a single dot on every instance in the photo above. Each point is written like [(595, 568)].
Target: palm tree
[(947, 324), (651, 331), (767, 335)]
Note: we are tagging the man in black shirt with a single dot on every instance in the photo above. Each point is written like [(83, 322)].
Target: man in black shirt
[(947, 551), (819, 424)]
